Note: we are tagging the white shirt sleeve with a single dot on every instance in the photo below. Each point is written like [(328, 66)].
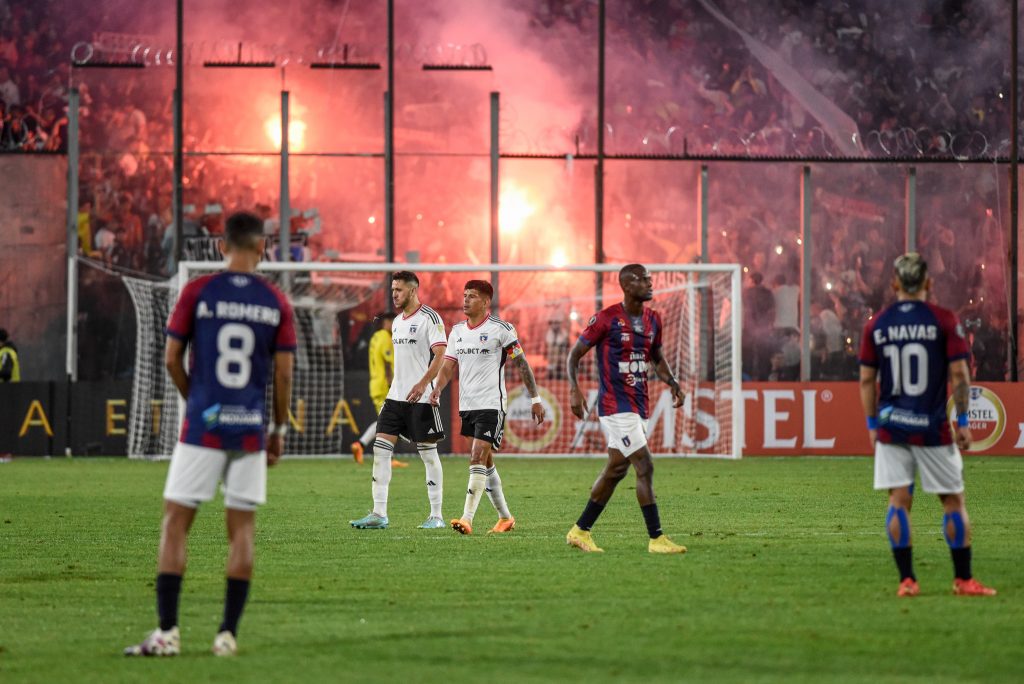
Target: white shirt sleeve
[(435, 334), (450, 350), (510, 342)]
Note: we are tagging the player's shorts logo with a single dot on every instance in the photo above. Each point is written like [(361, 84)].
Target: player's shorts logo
[(987, 417)]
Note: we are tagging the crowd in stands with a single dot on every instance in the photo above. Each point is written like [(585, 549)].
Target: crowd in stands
[(899, 75), (899, 70)]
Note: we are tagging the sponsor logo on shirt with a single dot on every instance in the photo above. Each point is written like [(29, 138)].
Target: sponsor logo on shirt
[(231, 416)]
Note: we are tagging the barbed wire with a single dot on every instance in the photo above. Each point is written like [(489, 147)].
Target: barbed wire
[(781, 141), (155, 54)]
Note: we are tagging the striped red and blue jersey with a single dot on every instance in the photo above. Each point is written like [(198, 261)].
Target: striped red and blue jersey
[(624, 354), (912, 343), (234, 323)]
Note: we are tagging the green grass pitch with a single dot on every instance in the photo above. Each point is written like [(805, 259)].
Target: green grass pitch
[(788, 578)]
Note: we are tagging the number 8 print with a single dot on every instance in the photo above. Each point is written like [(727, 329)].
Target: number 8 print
[(239, 356)]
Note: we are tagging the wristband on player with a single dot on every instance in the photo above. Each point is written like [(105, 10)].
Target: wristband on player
[(535, 400), (872, 423), (962, 420), (278, 430)]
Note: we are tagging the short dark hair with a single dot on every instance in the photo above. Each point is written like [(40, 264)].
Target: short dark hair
[(481, 286), (243, 229), (631, 269), (406, 277), (4, 336)]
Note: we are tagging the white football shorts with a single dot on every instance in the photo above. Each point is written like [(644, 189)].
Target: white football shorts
[(195, 472), (941, 467), (626, 432)]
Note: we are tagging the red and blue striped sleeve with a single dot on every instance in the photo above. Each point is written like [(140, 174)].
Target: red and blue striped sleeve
[(183, 317), (656, 342), (596, 329), (285, 340), (868, 355), (956, 339)]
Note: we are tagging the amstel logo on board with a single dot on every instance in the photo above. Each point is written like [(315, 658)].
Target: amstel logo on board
[(987, 417), (519, 427)]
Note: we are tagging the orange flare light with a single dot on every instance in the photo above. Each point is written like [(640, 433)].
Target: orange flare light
[(296, 133)]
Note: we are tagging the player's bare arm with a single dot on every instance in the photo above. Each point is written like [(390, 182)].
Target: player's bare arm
[(572, 367), (668, 377), (444, 376), (960, 379), (284, 364), (174, 359), (435, 367), (869, 396), (526, 373)]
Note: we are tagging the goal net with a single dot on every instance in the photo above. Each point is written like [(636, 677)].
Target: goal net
[(549, 307)]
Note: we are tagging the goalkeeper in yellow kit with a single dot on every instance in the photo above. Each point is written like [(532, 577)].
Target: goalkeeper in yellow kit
[(382, 371)]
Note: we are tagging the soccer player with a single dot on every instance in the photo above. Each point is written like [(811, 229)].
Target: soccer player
[(417, 334), (911, 350), (480, 346), (240, 330), (628, 341), (382, 370)]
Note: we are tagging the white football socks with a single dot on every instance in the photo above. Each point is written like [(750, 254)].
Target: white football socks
[(435, 476), (495, 494), (477, 484), (382, 451), (367, 437)]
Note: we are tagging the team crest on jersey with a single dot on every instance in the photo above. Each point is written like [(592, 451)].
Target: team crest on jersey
[(625, 337), (483, 337), (412, 329), (239, 280), (904, 308)]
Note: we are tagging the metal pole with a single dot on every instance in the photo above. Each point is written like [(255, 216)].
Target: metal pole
[(71, 343), (179, 158), (599, 167), (910, 206), (1014, 195), (495, 256), (71, 339), (707, 314), (702, 211), (285, 236), (389, 144), (806, 286)]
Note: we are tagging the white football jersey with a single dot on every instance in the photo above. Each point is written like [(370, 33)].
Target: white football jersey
[(414, 337), (480, 353)]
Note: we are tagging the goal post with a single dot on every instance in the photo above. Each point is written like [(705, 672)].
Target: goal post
[(549, 306)]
